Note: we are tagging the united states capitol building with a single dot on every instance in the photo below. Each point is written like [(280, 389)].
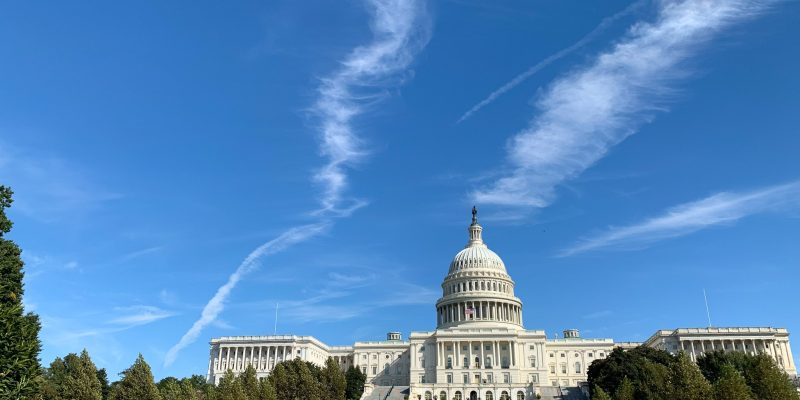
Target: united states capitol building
[(480, 348)]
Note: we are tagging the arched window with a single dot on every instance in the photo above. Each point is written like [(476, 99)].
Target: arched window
[(428, 396), (489, 396), (504, 396), (520, 395), (577, 368), (442, 395), (483, 285), (477, 362), (457, 396), (386, 368)]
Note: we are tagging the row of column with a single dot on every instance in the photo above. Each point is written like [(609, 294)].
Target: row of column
[(480, 310), (697, 347), (237, 358), (457, 357)]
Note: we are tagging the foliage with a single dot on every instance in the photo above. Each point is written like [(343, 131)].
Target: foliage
[(102, 377), (20, 374), (645, 367), (625, 390), (297, 380), (136, 383), (599, 394), (764, 377), (687, 382), (73, 378), (267, 391), (249, 383), (355, 380), (230, 388), (731, 385), (333, 381)]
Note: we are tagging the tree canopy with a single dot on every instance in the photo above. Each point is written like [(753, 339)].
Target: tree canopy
[(20, 373), (136, 383)]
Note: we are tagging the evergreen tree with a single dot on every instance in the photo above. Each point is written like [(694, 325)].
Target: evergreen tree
[(731, 385), (102, 377), (599, 394), (249, 382), (20, 374), (333, 381), (169, 388), (230, 388), (687, 382), (355, 383), (188, 392), (625, 391), (136, 383), (768, 381), (73, 378), (266, 390)]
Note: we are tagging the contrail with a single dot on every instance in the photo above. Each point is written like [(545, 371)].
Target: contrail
[(604, 24), (400, 30)]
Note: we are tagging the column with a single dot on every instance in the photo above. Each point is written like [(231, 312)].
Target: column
[(469, 354), (219, 358), (496, 354), (456, 354), (703, 346), (513, 354), (483, 356), (692, 344)]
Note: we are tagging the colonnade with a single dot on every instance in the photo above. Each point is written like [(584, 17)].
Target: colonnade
[(262, 358), (696, 347), (483, 310), (496, 356)]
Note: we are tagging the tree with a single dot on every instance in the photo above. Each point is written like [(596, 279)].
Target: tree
[(169, 388), (20, 374), (136, 383), (249, 383), (731, 385), (355, 380), (768, 381), (230, 388), (599, 394), (625, 390), (333, 381), (712, 363), (266, 390), (102, 377), (73, 378), (687, 382), (645, 367)]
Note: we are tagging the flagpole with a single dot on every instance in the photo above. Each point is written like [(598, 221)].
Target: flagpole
[(276, 319), (708, 312)]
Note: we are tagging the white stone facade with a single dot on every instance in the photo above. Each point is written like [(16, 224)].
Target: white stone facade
[(480, 348)]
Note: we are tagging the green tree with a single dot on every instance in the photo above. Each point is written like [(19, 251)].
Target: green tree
[(73, 378), (102, 377), (355, 380), (333, 381), (625, 390), (599, 394), (136, 383), (230, 388), (687, 382), (249, 382), (645, 367), (188, 392), (169, 388), (768, 381), (266, 390), (20, 374), (712, 363), (731, 385)]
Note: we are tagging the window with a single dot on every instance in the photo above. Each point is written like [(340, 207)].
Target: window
[(463, 348), (477, 378), (374, 356), (386, 368), (457, 396), (563, 355), (466, 362), (422, 378), (552, 368), (449, 348), (487, 347), (563, 368), (506, 378), (552, 355), (504, 347), (489, 378), (534, 378), (476, 348), (504, 396), (449, 378), (577, 368), (422, 362), (374, 370), (591, 355), (442, 394), (520, 395), (602, 354), (364, 369), (530, 347), (489, 396), (465, 378), (387, 356), (363, 356), (577, 355), (533, 361), (428, 396), (449, 362)]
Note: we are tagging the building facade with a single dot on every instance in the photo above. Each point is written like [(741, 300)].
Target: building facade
[(480, 348)]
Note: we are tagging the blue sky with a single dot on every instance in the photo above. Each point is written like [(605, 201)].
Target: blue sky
[(182, 167)]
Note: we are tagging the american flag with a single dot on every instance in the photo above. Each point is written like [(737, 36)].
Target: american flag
[(469, 311)]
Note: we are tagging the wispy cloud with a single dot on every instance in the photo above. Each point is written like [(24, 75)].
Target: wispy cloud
[(604, 24), (139, 315), (139, 253), (588, 111), (217, 303), (400, 29), (718, 209)]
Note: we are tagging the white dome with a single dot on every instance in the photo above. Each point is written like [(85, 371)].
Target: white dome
[(476, 256)]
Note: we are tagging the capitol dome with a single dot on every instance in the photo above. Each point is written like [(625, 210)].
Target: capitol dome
[(477, 289)]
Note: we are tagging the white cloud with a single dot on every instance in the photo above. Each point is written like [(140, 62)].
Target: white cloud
[(590, 110), (139, 315), (71, 265), (215, 306), (139, 253), (400, 29), (718, 209), (604, 24)]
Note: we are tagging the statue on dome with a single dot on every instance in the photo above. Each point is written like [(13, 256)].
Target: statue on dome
[(474, 215)]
